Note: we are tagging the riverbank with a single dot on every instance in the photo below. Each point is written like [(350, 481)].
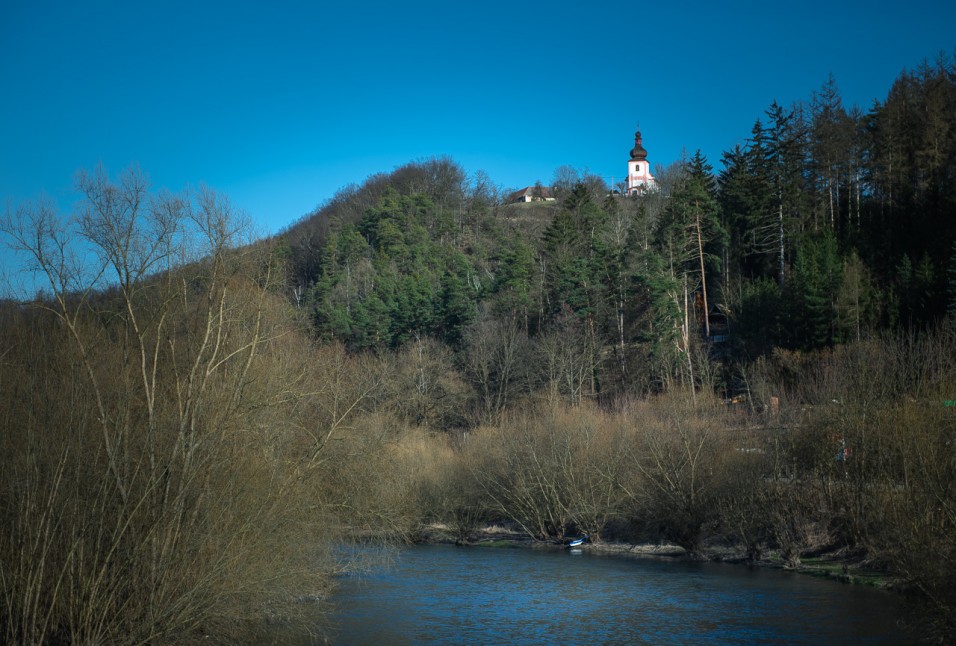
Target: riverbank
[(838, 564)]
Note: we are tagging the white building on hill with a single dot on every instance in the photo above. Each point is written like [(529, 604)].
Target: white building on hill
[(535, 193), (639, 178)]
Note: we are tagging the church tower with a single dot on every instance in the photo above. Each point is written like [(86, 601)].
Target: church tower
[(639, 178)]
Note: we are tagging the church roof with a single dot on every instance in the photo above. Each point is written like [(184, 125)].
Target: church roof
[(637, 152)]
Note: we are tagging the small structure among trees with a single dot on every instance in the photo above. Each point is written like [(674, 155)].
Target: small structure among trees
[(536, 193)]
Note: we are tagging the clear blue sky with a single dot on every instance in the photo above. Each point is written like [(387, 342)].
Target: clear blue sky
[(280, 104)]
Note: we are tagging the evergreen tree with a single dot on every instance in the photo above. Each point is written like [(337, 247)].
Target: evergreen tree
[(757, 321), (746, 200), (951, 282), (659, 317), (926, 305), (573, 271), (691, 232), (394, 277), (816, 278), (855, 300), (831, 136), (911, 157), (782, 140), (618, 253), (904, 292)]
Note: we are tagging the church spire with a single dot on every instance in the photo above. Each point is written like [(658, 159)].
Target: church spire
[(637, 152)]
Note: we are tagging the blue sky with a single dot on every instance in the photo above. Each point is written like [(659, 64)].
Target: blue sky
[(280, 104)]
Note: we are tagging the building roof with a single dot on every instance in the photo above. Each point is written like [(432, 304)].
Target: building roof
[(543, 193), (637, 152)]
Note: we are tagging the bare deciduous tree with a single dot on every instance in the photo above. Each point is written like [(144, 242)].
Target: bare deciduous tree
[(154, 470)]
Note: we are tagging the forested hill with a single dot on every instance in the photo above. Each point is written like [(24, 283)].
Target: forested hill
[(829, 224), (184, 459)]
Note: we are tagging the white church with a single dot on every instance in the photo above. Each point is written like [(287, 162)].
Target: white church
[(639, 178)]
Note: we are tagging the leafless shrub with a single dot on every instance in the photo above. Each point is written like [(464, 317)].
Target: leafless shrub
[(872, 464), (680, 456), (552, 470), (427, 389), (146, 496)]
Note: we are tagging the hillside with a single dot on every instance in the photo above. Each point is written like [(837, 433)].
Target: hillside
[(829, 225), (761, 359)]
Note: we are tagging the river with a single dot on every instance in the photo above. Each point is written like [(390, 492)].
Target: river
[(441, 594)]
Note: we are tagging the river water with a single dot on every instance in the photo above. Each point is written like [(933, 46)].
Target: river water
[(441, 594)]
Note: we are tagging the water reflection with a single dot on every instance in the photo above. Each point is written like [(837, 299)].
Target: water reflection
[(443, 594)]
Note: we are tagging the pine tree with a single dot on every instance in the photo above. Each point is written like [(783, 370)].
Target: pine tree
[(757, 320), (854, 300), (618, 251), (904, 289), (746, 200), (831, 136), (782, 140), (569, 249), (951, 282), (691, 227), (816, 278)]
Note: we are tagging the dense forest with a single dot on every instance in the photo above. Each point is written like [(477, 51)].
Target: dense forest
[(761, 356)]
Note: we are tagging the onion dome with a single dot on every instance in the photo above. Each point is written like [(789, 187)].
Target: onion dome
[(637, 152)]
